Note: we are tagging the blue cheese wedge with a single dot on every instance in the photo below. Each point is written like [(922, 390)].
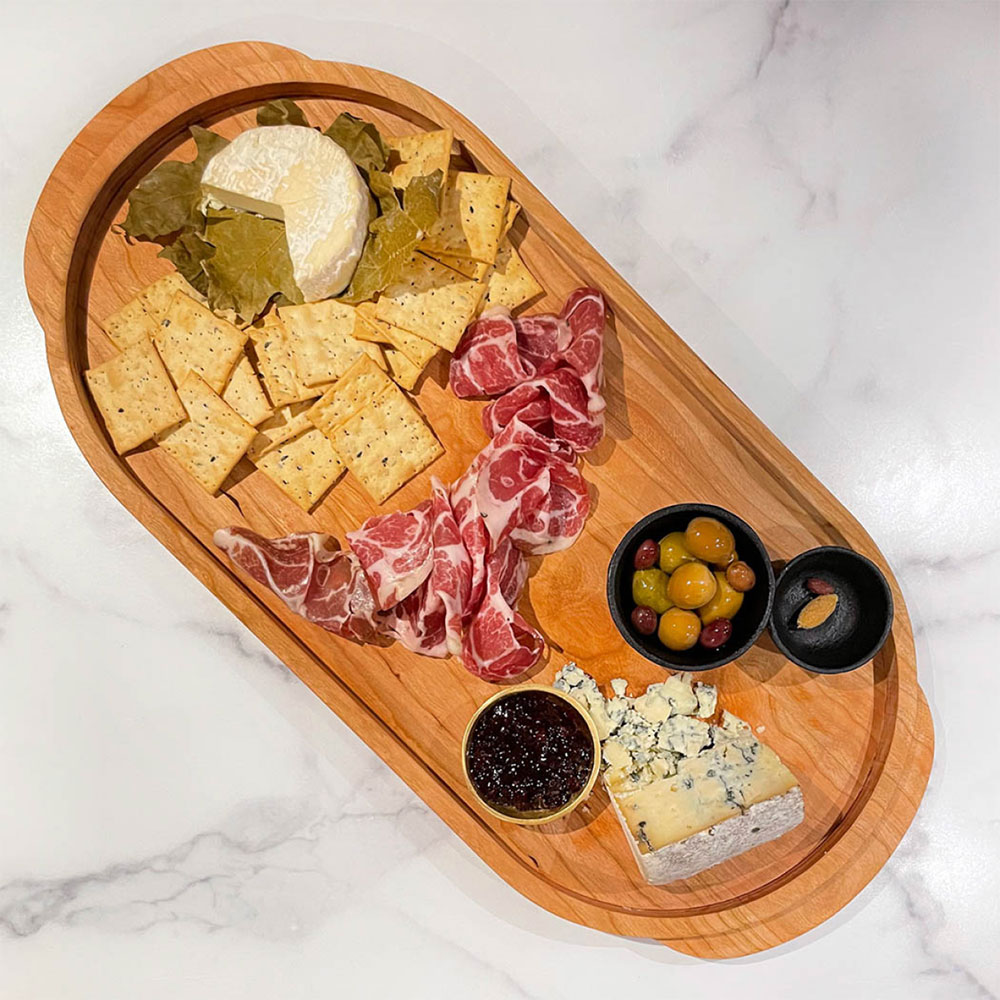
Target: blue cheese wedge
[(304, 178), (689, 792)]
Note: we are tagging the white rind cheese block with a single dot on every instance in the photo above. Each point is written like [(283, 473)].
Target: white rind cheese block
[(760, 823), (690, 789), (303, 177)]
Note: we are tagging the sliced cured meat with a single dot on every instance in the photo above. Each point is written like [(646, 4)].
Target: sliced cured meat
[(499, 643), (396, 552), (514, 477), (541, 341), (556, 522), (451, 573), (312, 576), (419, 622), (472, 530), (486, 361), (556, 405)]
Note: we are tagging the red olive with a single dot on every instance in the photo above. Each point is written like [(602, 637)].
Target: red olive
[(646, 555), (644, 620), (714, 634)]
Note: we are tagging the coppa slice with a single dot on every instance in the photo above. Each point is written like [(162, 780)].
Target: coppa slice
[(321, 338), (191, 338), (135, 396), (299, 175), (213, 438)]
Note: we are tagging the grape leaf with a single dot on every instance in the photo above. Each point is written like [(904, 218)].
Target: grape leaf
[(392, 237), (187, 253), (250, 264), (360, 140), (168, 198), (281, 112)]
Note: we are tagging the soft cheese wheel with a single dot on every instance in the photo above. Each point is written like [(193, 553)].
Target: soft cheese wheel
[(303, 177)]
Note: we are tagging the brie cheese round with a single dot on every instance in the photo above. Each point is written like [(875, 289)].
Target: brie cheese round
[(303, 177)]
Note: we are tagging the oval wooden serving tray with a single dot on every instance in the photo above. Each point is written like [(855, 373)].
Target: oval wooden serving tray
[(861, 743)]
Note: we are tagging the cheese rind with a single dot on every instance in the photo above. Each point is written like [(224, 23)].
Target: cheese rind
[(303, 177)]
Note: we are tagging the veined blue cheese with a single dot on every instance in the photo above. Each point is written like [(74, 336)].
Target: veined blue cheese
[(303, 177), (690, 793)]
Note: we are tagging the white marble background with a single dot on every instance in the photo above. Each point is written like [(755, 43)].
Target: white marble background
[(808, 192)]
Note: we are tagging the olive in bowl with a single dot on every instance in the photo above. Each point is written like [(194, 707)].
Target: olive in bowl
[(709, 590)]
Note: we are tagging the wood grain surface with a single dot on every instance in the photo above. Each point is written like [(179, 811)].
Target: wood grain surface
[(860, 743)]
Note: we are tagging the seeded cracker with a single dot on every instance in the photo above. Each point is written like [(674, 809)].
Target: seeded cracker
[(512, 210), (386, 444), (473, 210), (135, 396), (142, 315), (244, 394), (321, 337), (475, 269), (304, 467), (361, 383), (288, 422), (420, 155), (213, 438), (192, 338), (509, 283), (272, 346), (403, 371), (417, 349), (431, 301)]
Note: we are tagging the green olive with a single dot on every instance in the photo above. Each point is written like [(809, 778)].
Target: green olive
[(649, 587), (673, 552)]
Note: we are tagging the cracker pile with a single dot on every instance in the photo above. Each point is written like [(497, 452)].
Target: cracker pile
[(316, 390)]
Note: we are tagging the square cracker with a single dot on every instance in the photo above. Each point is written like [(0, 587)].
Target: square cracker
[(509, 282), (286, 423), (475, 269), (304, 467), (512, 210), (386, 443), (431, 301), (321, 337), (142, 315), (135, 396), (213, 438), (273, 348), (403, 371), (421, 154), (244, 394), (417, 349), (471, 223), (192, 338), (360, 384)]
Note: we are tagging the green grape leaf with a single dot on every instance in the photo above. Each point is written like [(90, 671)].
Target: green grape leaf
[(187, 253), (250, 264), (168, 198), (281, 112), (360, 140)]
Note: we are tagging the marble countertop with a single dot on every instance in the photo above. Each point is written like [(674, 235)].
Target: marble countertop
[(808, 193)]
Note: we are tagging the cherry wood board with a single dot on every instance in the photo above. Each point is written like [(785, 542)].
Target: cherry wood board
[(861, 743)]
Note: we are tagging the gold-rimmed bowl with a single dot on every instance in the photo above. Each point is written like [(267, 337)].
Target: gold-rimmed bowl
[(537, 817)]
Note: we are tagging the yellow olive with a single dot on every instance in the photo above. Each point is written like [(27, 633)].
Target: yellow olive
[(673, 552), (649, 587), (679, 630), (724, 604), (709, 539), (691, 585)]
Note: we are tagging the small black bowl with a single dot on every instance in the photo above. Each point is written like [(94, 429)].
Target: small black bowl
[(854, 633), (748, 623)]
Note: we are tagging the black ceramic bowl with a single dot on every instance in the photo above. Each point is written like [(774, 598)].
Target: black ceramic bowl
[(854, 633), (749, 621)]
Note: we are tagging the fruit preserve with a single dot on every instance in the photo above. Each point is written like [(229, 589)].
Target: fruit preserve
[(530, 752)]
